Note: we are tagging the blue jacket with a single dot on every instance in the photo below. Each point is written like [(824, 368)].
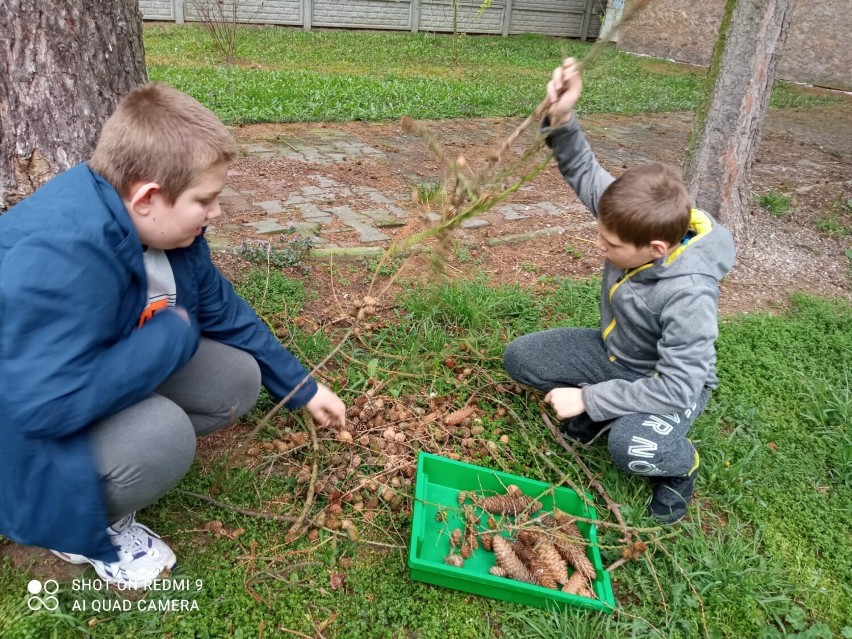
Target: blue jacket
[(72, 288)]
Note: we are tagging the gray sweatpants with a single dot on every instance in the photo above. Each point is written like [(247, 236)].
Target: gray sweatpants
[(640, 443), (143, 451)]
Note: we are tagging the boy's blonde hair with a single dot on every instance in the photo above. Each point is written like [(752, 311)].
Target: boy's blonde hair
[(648, 202), (159, 134)]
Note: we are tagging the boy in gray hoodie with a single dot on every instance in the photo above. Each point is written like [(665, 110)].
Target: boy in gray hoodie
[(647, 372)]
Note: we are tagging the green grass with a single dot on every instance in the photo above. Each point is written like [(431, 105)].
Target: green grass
[(288, 75), (777, 204), (836, 219), (764, 553)]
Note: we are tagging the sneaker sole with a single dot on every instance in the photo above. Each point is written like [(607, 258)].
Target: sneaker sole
[(79, 561)]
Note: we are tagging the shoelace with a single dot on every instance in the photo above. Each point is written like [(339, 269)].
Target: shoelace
[(132, 541)]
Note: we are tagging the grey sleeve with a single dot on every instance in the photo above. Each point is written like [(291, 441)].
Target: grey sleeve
[(686, 350), (577, 163)]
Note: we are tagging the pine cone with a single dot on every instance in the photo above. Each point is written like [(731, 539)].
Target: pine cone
[(573, 547), (575, 583), (575, 555), (508, 504), (508, 560), (497, 571), (457, 417), (539, 570), (551, 558)]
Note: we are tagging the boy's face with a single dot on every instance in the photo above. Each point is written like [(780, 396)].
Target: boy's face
[(626, 255), (167, 226)]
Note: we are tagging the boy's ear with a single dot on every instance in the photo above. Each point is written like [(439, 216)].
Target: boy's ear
[(141, 194), (659, 249)]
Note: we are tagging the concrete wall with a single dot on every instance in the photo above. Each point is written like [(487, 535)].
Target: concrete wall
[(817, 49), (567, 18)]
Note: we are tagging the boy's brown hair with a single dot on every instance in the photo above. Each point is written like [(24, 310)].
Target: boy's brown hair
[(648, 202), (159, 134)]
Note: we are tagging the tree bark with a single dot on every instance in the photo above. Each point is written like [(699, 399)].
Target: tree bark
[(64, 65), (727, 124)]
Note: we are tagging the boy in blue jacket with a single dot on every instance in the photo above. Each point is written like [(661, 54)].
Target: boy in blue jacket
[(646, 374), (120, 342)]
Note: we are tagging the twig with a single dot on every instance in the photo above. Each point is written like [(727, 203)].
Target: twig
[(613, 507), (538, 113), (309, 500), (657, 581), (249, 570), (616, 564), (287, 519), (688, 581)]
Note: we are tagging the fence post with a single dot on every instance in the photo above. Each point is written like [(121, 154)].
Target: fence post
[(307, 14), (587, 18), (415, 16), (179, 11), (507, 17)]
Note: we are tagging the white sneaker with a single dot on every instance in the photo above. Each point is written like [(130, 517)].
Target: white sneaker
[(142, 555)]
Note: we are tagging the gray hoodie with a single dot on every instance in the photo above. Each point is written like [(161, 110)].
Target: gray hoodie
[(658, 319)]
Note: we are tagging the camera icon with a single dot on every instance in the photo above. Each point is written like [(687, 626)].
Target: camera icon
[(48, 601)]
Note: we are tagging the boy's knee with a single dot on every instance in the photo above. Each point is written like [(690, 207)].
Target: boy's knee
[(513, 359), (629, 451), (141, 460), (618, 444), (247, 386), (172, 441)]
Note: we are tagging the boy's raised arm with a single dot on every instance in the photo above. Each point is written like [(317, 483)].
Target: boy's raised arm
[(573, 154)]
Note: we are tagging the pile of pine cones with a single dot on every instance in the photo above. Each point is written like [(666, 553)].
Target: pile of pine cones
[(541, 550)]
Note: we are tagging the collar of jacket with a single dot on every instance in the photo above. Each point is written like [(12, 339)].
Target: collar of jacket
[(699, 222)]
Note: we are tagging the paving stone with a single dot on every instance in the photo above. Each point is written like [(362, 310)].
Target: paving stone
[(311, 212), (353, 220), (228, 192), (305, 228), (520, 237), (324, 181), (294, 144), (272, 207), (294, 200), (474, 223), (264, 227), (380, 218), (550, 208), (510, 213), (255, 149), (378, 197)]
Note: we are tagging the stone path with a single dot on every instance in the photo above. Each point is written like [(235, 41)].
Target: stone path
[(348, 187), (342, 213)]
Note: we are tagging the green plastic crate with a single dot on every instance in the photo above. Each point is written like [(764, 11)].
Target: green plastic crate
[(439, 481)]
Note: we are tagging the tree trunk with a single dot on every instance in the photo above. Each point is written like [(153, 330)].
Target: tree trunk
[(726, 129), (64, 65)]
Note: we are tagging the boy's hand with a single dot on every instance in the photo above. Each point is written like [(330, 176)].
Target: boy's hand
[(326, 408), (567, 402), (563, 91)]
